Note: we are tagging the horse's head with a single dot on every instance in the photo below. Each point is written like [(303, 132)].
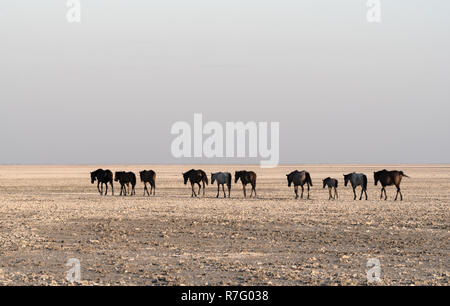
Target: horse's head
[(117, 176), (325, 182), (346, 179), (237, 175), (93, 177), (185, 177), (289, 179), (213, 178), (376, 177)]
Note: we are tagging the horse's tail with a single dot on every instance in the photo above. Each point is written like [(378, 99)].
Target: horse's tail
[(308, 179), (337, 183), (365, 182), (403, 174), (205, 178)]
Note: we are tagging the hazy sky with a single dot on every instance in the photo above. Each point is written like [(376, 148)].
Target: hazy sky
[(108, 90)]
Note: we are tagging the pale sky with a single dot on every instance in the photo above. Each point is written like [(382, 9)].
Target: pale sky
[(107, 90)]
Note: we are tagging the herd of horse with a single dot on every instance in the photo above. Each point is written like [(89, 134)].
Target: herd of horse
[(127, 181)]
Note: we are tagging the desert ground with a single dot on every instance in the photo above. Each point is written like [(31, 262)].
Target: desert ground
[(49, 214)]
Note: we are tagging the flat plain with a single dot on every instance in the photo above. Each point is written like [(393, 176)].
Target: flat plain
[(49, 214)]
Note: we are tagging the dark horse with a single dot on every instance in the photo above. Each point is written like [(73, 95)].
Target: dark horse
[(247, 177), (389, 178), (126, 178), (299, 178), (148, 177), (357, 179), (196, 177), (331, 183), (102, 177), (222, 178)]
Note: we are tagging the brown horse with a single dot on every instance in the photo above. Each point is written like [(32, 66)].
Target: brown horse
[(299, 178), (195, 177), (247, 177), (389, 178)]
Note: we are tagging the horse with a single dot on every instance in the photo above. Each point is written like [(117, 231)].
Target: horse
[(102, 177), (222, 178), (331, 183), (195, 177), (299, 178), (389, 178), (357, 179), (148, 177), (246, 177), (126, 178)]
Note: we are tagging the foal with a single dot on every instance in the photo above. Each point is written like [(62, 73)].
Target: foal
[(222, 178), (331, 183)]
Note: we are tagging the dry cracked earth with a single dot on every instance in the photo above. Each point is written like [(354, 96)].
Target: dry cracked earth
[(49, 214)]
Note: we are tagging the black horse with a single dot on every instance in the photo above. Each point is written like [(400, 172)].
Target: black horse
[(196, 177), (148, 177), (126, 178), (389, 178), (246, 177), (103, 177)]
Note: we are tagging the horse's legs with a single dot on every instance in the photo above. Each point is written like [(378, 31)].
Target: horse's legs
[(365, 192), (98, 187), (354, 193), (193, 191), (145, 187), (336, 193), (223, 189), (362, 191), (308, 191), (154, 188), (204, 187), (254, 188), (303, 189), (296, 192), (245, 192), (229, 190), (398, 192), (329, 191), (112, 188), (218, 189), (106, 192)]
